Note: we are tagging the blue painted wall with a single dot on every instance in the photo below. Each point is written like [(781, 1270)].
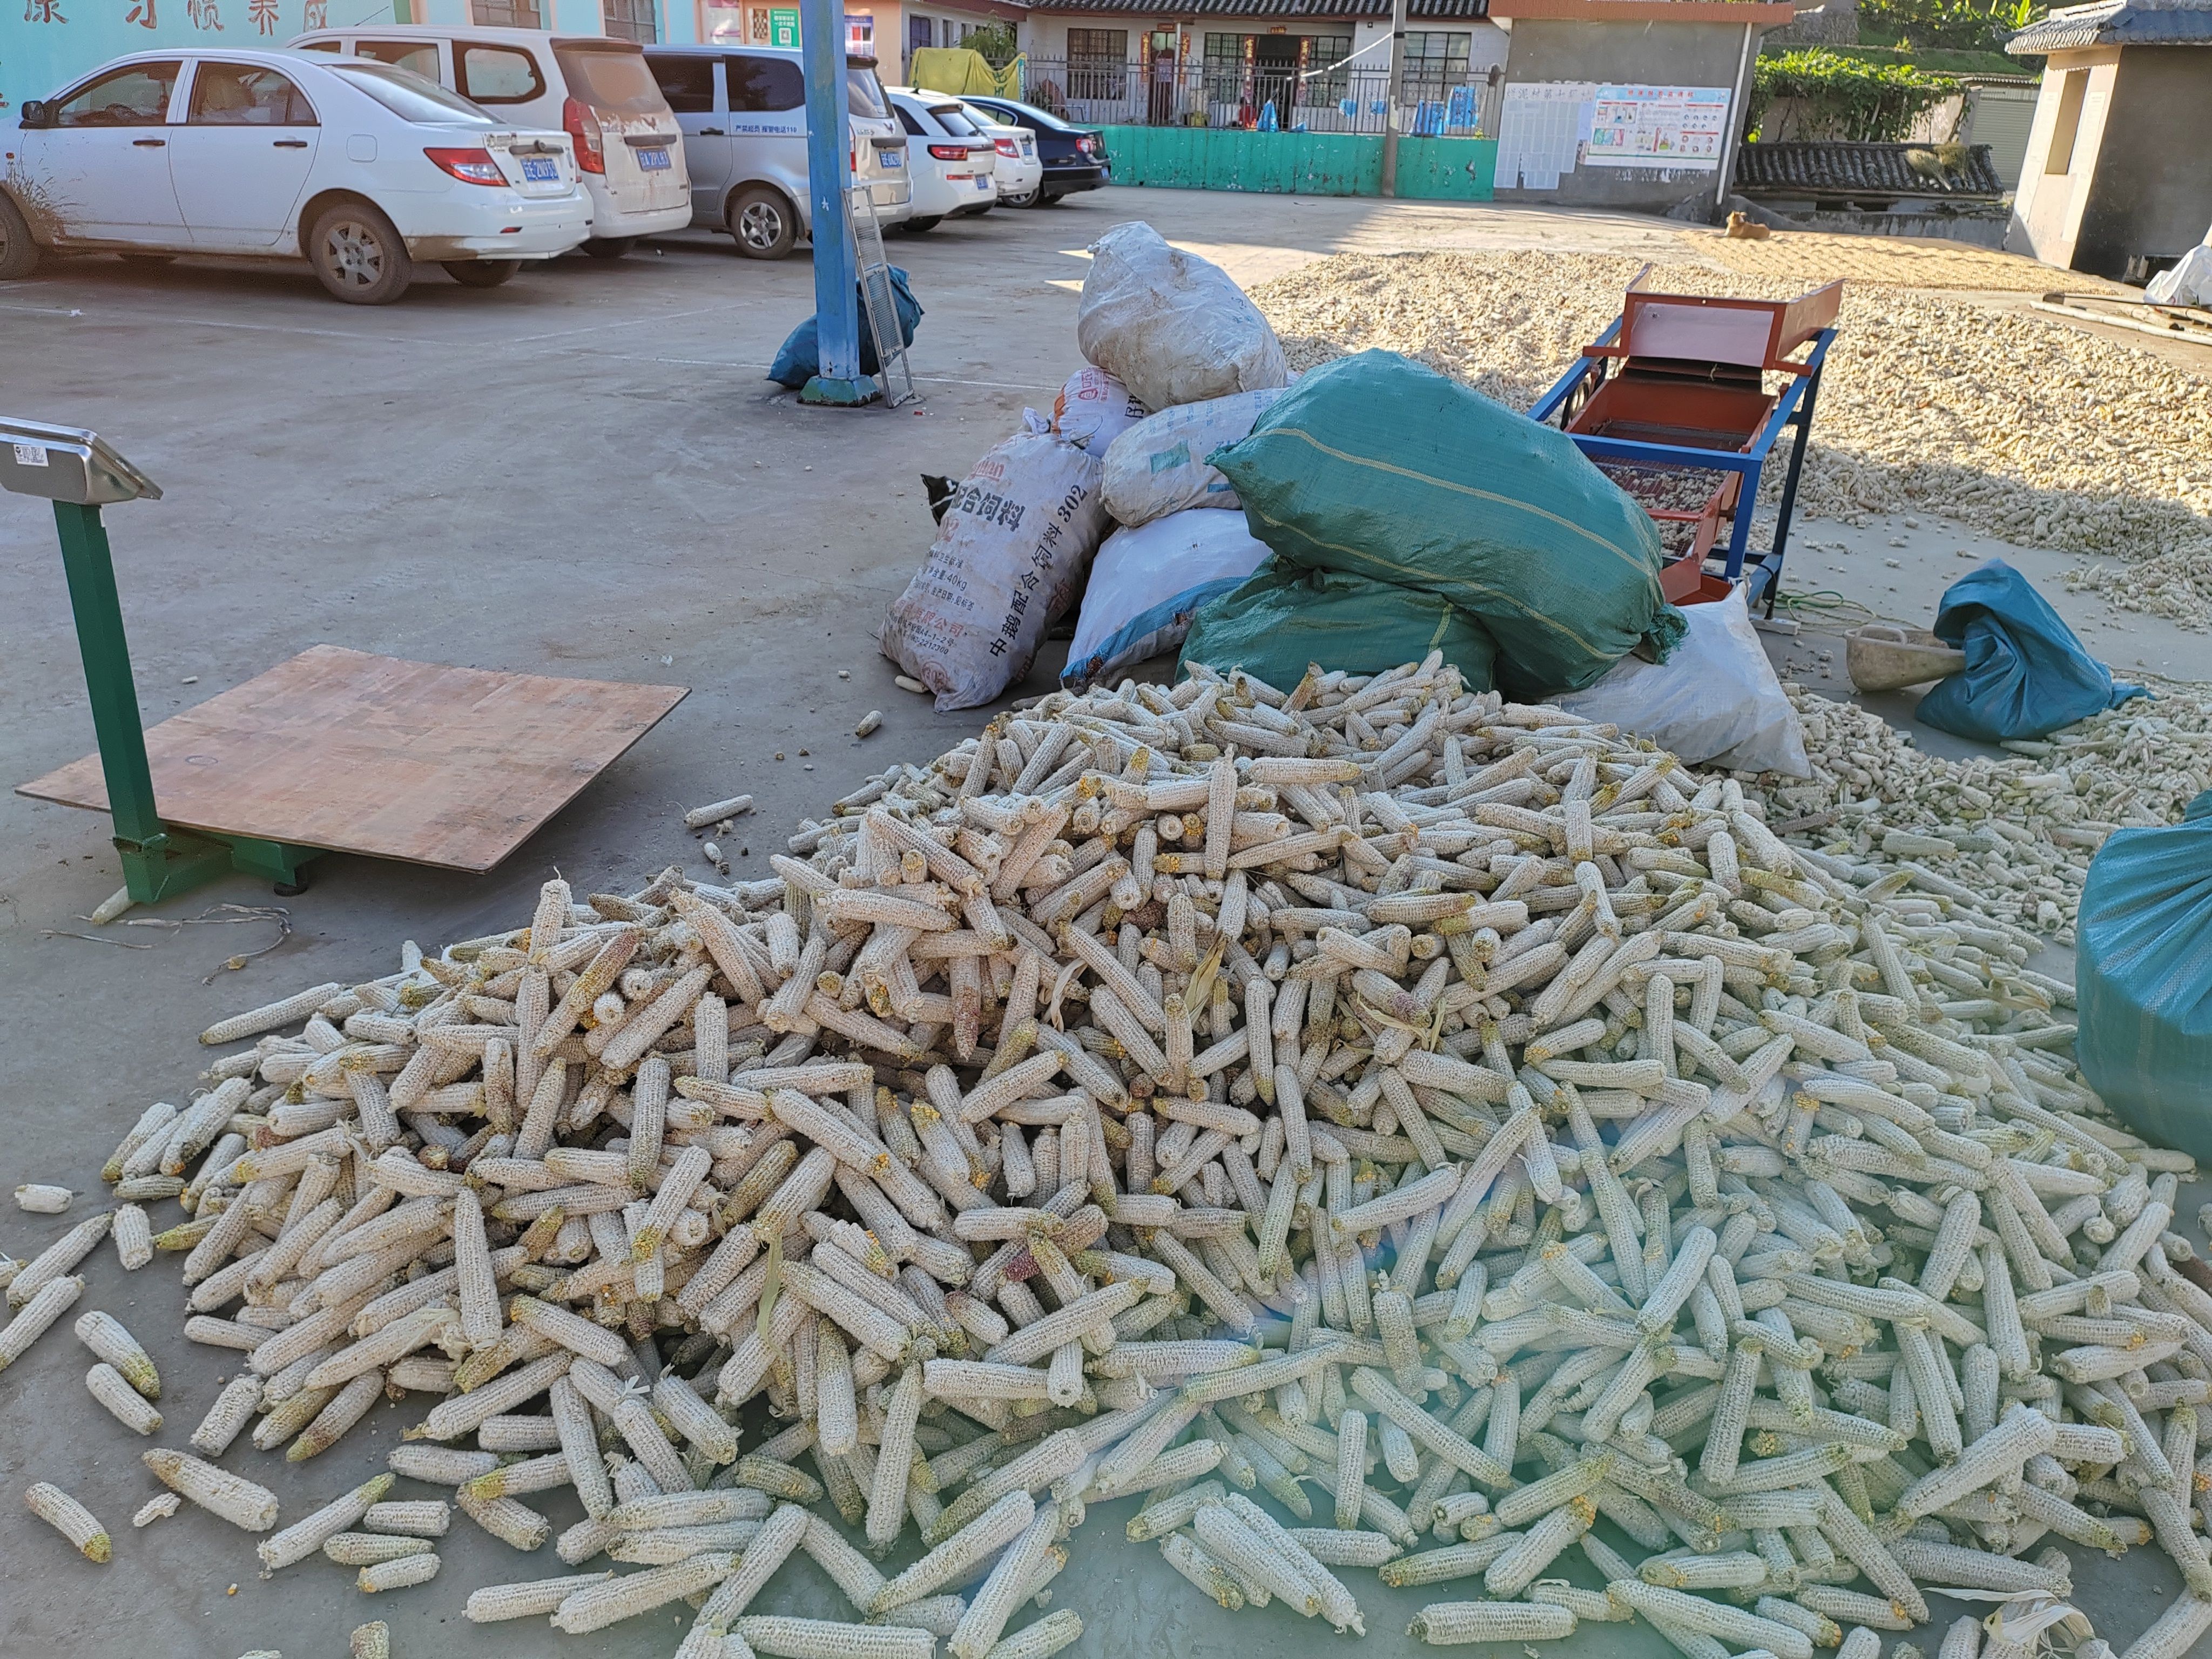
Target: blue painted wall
[(57, 40)]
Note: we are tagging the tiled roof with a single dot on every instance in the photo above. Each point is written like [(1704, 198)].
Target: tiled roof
[(1303, 8), (1851, 169), (2118, 23)]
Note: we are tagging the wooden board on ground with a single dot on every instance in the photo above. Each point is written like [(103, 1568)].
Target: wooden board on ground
[(356, 753)]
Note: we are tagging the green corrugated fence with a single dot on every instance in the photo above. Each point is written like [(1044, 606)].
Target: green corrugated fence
[(1300, 163)]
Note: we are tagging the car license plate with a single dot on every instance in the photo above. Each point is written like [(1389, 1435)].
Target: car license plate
[(540, 170), (982, 181), (654, 160), (891, 158)]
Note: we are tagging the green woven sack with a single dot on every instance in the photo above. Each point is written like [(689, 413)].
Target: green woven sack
[(1375, 466), (1283, 620)]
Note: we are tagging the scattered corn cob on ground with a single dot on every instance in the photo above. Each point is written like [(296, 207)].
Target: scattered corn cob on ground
[(1399, 1139)]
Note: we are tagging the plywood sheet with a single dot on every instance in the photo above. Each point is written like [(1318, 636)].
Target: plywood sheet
[(356, 753)]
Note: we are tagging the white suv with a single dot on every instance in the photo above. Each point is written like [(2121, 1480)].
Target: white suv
[(594, 88), (361, 167)]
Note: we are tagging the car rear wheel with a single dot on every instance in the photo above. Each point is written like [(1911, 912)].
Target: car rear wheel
[(916, 226), (19, 254), (1027, 198), (762, 223), (482, 273), (608, 247), (358, 256)]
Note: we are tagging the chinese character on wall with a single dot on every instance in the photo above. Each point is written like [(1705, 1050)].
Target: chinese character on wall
[(263, 13)]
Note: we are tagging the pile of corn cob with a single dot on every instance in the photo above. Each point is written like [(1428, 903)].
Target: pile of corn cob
[(2014, 835), (1465, 1125)]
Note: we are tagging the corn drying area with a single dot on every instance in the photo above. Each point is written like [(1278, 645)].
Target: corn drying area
[(1422, 1169)]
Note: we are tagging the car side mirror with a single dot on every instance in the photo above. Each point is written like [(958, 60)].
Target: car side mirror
[(37, 112)]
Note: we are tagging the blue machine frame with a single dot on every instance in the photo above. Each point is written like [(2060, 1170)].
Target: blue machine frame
[(1793, 408)]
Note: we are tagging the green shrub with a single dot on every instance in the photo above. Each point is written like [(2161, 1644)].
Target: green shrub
[(1966, 24), (1833, 96)]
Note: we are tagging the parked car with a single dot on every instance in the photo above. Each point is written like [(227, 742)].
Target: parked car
[(953, 161), (743, 115), (1074, 157), (361, 167), (595, 89), (1019, 172)]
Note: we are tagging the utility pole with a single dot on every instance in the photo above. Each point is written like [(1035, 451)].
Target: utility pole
[(1397, 85), (829, 161)]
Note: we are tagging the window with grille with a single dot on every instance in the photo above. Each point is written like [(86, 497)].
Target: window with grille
[(1097, 63), (1435, 60), (1224, 68), (507, 14), (631, 20), (1325, 52)]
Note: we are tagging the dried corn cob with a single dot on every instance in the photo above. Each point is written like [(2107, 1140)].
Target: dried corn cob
[(70, 1518), (220, 1492)]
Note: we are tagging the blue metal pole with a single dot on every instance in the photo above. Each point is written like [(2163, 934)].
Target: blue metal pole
[(829, 167)]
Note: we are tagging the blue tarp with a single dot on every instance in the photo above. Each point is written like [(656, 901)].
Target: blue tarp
[(2143, 979), (2025, 674)]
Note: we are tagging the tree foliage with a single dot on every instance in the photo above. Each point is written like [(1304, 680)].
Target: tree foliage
[(1826, 94)]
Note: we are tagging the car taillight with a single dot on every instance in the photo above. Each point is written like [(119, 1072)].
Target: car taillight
[(948, 152), (1005, 147), (581, 124), (1087, 144), (470, 166)]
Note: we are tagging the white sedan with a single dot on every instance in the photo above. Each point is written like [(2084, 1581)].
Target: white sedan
[(1020, 173), (361, 167), (949, 161)]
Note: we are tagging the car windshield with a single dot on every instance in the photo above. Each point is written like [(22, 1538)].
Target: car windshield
[(613, 80), (1030, 113), (864, 94), (412, 97), (954, 120)]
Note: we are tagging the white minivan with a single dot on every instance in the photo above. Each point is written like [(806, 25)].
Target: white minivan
[(630, 149), (742, 109)]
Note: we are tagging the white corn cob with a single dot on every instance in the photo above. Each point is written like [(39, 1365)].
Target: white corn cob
[(229, 1413), (1443, 1623), (104, 1335), (57, 1259), (370, 1641), (43, 1200), (985, 1620), (1334, 1547), (70, 1518), (778, 1536), (425, 1517), (36, 1316), (530, 1600), (398, 1573), (815, 1638), (2174, 1632), (1693, 1613), (123, 1403), (160, 1507), (220, 1492), (1041, 1640), (989, 1532), (1230, 1541), (513, 1522), (367, 1549), (303, 1538), (134, 1237), (691, 1508), (595, 1607)]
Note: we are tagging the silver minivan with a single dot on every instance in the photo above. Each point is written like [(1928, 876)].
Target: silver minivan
[(743, 112)]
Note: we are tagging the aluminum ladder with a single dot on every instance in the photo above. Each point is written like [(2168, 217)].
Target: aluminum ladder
[(878, 299)]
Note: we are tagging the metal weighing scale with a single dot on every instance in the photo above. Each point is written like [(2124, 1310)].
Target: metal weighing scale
[(1671, 400), (335, 750)]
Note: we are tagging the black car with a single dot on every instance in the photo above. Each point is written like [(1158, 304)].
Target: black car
[(1074, 157)]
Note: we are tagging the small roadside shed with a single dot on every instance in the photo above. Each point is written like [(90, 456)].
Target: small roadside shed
[(2116, 179)]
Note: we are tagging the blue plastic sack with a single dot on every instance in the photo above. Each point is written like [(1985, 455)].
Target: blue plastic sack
[(2143, 979), (2026, 672), (800, 359)]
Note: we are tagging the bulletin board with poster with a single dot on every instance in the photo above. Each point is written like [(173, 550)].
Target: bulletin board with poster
[(1643, 126), (861, 34)]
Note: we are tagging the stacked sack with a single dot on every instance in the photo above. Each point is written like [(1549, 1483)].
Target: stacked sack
[(1161, 328)]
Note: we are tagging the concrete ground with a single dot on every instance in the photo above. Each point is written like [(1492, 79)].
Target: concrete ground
[(581, 473)]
